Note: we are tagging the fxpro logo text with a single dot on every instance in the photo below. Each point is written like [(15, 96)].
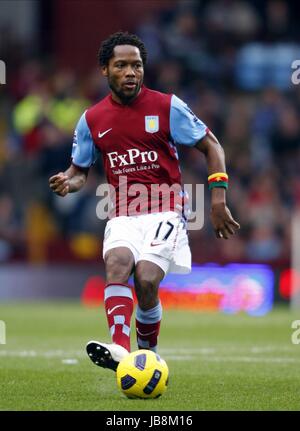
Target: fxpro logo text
[(132, 157), (2, 72)]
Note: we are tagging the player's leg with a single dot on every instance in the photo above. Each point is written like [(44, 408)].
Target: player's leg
[(147, 277), (118, 300), (160, 244)]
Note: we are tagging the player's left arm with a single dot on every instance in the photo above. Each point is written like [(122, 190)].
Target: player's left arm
[(187, 129), (223, 223)]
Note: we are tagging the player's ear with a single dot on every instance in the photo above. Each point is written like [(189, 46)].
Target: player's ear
[(104, 70)]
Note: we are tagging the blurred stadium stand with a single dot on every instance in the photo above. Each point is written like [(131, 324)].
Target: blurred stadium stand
[(229, 60)]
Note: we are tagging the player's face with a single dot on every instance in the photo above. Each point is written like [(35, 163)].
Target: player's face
[(125, 73)]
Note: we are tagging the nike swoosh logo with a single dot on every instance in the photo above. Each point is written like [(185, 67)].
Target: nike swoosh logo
[(156, 243), (100, 135), (144, 334), (109, 311)]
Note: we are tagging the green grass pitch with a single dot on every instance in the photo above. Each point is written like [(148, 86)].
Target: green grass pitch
[(216, 361)]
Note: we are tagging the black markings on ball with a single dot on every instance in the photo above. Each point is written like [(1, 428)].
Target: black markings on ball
[(127, 382), (140, 361), (153, 382)]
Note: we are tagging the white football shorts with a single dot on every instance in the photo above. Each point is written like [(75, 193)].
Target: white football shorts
[(160, 238)]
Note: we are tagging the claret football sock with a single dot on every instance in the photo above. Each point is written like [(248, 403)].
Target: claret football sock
[(147, 327), (118, 301)]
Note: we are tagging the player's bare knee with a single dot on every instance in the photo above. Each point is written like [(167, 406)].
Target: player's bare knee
[(147, 296), (148, 273), (146, 290), (118, 266), (146, 280)]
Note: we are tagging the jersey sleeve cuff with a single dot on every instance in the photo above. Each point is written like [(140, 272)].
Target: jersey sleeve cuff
[(82, 168), (206, 131)]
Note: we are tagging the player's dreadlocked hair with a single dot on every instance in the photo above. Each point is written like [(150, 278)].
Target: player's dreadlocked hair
[(120, 38)]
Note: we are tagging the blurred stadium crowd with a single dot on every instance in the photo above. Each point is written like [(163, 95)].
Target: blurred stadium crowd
[(230, 61)]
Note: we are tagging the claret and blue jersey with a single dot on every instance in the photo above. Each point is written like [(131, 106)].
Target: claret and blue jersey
[(137, 140)]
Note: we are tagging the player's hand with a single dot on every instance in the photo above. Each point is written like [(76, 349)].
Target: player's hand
[(59, 184), (223, 223)]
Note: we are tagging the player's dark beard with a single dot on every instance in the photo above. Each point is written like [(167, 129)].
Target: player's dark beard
[(122, 96)]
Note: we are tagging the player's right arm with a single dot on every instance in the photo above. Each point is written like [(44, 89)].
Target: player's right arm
[(70, 181), (84, 154)]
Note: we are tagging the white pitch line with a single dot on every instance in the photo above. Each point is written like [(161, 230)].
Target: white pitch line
[(179, 357), (32, 354), (49, 355), (224, 348), (70, 361), (183, 351), (202, 350), (251, 359), (168, 354)]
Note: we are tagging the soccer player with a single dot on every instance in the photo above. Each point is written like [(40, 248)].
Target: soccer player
[(136, 131)]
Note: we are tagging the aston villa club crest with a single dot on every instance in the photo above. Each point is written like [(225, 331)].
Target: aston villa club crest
[(152, 123)]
